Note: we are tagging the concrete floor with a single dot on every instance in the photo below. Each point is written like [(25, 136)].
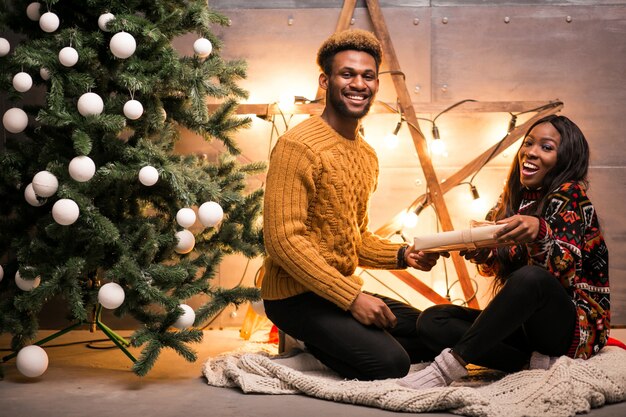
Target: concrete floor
[(82, 381)]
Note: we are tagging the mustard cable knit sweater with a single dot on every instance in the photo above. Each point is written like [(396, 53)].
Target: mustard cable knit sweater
[(315, 221)]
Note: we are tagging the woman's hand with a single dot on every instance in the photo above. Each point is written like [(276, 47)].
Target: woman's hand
[(518, 229), (476, 256)]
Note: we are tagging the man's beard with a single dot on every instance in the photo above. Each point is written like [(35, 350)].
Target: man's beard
[(343, 110)]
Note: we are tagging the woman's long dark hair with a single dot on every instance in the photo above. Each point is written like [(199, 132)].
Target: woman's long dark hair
[(572, 164)]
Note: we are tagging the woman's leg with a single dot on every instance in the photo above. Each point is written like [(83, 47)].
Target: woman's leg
[(443, 326), (531, 303), (532, 311), (338, 339)]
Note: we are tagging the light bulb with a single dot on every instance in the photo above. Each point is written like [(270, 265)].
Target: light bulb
[(391, 139), (438, 147), (410, 219), (286, 103)]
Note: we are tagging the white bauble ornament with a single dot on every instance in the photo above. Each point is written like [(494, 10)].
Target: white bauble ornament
[(258, 307), (26, 284), (210, 213), (32, 11), (68, 56), (1, 272), (202, 47), (104, 19), (186, 241), (65, 211), (185, 217), (133, 109), (31, 197), (148, 175), (44, 74), (45, 184), (163, 115), (5, 47), (111, 295), (186, 319), (49, 22), (32, 361), (122, 45), (15, 120), (22, 82), (82, 168), (90, 104)]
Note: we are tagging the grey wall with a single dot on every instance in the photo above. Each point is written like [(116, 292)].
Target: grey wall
[(540, 55)]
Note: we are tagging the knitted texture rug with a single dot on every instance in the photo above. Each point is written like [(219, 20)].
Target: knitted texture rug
[(568, 388)]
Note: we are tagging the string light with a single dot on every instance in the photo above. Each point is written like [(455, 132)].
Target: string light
[(391, 139), (437, 146)]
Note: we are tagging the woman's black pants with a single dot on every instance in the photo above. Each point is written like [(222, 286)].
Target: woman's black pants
[(531, 312)]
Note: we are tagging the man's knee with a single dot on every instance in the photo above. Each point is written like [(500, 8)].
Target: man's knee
[(389, 365)]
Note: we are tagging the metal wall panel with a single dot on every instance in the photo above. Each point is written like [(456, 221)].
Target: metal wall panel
[(537, 55)]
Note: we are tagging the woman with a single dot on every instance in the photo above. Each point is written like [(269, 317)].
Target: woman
[(551, 281)]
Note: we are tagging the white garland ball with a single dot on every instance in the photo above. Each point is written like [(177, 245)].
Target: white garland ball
[(202, 47), (31, 197), (5, 47), (210, 213), (65, 211), (133, 109), (186, 319), (90, 104), (32, 11), (148, 175), (111, 295), (104, 19), (26, 284), (68, 56), (32, 361), (45, 184), (258, 307), (82, 168), (185, 242), (15, 120), (122, 45), (22, 82), (1, 272), (185, 217), (49, 22), (44, 73)]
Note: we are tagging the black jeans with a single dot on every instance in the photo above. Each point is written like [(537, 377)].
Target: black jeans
[(532, 312), (338, 340)]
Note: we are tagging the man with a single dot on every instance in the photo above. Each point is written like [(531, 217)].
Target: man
[(320, 180)]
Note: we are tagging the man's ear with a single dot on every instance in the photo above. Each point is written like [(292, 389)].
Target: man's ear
[(323, 81)]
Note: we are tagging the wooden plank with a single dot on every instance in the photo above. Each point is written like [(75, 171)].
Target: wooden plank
[(271, 109), (413, 282), (419, 141)]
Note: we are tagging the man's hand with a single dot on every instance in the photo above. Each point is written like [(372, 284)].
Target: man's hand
[(422, 260), (367, 309)]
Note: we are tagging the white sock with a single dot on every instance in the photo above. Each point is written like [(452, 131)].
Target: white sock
[(541, 361), (440, 373)]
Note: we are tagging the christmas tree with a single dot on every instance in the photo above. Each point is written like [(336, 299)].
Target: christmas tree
[(96, 207)]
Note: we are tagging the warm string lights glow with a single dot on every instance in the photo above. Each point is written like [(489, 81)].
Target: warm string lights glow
[(409, 219)]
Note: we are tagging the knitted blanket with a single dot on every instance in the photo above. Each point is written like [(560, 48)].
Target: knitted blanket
[(568, 388)]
